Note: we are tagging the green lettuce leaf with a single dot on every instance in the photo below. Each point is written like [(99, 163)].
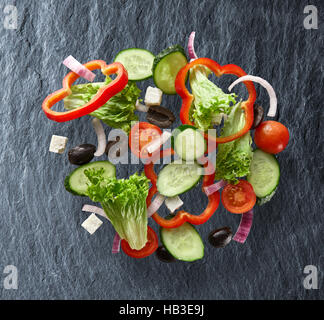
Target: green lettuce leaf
[(124, 202), (234, 158), (117, 113), (210, 102)]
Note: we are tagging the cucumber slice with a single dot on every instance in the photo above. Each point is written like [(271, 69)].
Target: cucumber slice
[(264, 173), (177, 178), (166, 67), (76, 181), (262, 201), (137, 62), (184, 243), (189, 143)]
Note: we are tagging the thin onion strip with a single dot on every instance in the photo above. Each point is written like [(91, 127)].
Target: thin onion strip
[(94, 209), (272, 94), (215, 187), (155, 205), (244, 227), (158, 142), (191, 48), (116, 244), (141, 107), (101, 136), (74, 65)]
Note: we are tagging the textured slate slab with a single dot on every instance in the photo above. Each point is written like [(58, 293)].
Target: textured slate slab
[(40, 222)]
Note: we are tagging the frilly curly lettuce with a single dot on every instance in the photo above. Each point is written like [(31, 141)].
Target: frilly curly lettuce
[(124, 202), (117, 113), (210, 102), (234, 158)]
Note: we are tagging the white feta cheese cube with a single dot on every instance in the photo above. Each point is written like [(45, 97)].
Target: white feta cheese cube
[(153, 96), (92, 223), (58, 144), (173, 203)]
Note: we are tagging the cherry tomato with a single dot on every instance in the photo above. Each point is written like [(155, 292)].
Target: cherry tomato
[(238, 198), (271, 136), (150, 247), (142, 133)]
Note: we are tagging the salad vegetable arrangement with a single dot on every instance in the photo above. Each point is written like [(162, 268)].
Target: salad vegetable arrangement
[(247, 177)]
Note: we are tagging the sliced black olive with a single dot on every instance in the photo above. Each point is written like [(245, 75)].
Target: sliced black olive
[(160, 116), (258, 116), (219, 238), (82, 154), (164, 255)]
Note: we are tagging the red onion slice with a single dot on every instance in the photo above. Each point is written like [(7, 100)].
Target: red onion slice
[(244, 227), (141, 107), (94, 209), (101, 136), (215, 187), (78, 68), (155, 205), (272, 95), (191, 48), (116, 244)]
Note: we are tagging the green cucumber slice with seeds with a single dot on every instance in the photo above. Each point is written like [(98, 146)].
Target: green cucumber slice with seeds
[(166, 66), (188, 143), (76, 181), (183, 243), (177, 178), (264, 175), (137, 62), (262, 201)]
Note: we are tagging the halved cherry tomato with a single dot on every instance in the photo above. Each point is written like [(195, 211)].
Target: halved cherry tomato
[(142, 133), (238, 198), (271, 136), (150, 247)]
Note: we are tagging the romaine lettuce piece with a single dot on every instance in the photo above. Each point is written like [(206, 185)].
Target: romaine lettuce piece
[(124, 202), (117, 113), (234, 158), (210, 102)]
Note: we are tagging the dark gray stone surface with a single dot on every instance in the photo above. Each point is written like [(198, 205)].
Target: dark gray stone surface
[(40, 230)]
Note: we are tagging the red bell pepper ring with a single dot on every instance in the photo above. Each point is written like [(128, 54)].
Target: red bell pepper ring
[(101, 97), (181, 216), (187, 98)]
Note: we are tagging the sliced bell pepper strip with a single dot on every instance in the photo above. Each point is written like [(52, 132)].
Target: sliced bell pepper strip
[(102, 96), (181, 216), (187, 97)]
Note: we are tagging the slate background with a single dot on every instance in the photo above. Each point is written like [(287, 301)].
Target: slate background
[(40, 230)]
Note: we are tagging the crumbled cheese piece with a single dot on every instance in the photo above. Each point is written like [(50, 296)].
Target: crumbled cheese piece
[(156, 143), (58, 144), (92, 223), (153, 96), (173, 203)]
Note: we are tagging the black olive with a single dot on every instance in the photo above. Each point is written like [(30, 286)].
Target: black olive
[(219, 238), (82, 154), (160, 116), (164, 255), (258, 116)]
